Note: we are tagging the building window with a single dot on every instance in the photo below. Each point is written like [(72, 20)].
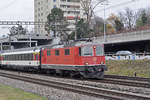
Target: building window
[(57, 52), (67, 51), (55, 6)]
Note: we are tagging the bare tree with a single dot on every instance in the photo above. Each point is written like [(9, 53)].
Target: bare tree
[(18, 30), (128, 18), (88, 7)]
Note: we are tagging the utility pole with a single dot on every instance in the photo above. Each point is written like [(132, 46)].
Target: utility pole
[(1, 46), (104, 4), (10, 41), (76, 26), (30, 40), (75, 31)]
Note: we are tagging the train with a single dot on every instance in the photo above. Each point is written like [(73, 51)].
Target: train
[(84, 60)]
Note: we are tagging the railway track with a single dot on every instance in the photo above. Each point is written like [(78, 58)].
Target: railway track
[(128, 78), (118, 80), (85, 90), (126, 82)]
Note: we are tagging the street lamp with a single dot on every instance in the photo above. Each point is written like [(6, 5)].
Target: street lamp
[(104, 4)]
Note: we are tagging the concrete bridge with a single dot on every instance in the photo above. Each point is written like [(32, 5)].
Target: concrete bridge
[(125, 37)]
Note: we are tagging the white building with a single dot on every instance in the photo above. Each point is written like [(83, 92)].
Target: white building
[(71, 8)]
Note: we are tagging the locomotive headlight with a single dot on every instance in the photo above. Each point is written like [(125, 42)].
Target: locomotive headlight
[(102, 62), (86, 63)]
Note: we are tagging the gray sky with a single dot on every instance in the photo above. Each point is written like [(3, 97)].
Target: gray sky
[(17, 10), (24, 9), (115, 7)]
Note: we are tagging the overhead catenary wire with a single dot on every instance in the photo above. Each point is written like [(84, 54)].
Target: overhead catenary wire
[(12, 2), (117, 5)]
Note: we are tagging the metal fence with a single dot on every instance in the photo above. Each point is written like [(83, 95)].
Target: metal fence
[(135, 56)]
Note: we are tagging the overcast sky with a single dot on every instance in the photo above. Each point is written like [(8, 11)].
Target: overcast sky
[(24, 9), (16, 10)]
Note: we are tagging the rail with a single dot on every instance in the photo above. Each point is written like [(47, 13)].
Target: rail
[(85, 90), (128, 78), (134, 56)]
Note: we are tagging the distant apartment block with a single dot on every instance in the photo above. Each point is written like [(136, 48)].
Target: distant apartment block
[(71, 8)]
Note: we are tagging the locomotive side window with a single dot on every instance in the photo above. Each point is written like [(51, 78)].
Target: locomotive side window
[(67, 51), (48, 52), (79, 51), (99, 51), (57, 52), (87, 51)]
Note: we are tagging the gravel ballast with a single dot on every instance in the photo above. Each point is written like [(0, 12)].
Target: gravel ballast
[(50, 93), (54, 94)]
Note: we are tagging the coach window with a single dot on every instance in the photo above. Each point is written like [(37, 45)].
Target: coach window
[(15, 57), (12, 57), (48, 52), (57, 52), (30, 57), (6, 57), (19, 56), (22, 56), (26, 57), (67, 51), (9, 57)]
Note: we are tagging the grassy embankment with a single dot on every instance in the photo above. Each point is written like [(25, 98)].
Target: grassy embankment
[(128, 68), (8, 93)]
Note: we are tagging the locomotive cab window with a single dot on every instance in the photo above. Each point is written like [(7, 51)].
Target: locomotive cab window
[(79, 51), (67, 51), (99, 51), (87, 51), (57, 52)]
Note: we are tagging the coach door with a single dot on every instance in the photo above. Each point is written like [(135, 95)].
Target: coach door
[(43, 56)]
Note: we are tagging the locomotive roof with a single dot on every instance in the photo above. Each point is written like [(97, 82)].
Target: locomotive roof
[(79, 43)]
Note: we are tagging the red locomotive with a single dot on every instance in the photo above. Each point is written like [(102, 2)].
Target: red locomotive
[(84, 60)]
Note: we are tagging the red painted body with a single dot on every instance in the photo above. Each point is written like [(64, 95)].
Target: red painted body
[(87, 60), (73, 59)]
